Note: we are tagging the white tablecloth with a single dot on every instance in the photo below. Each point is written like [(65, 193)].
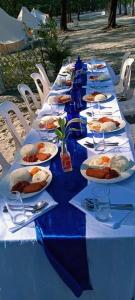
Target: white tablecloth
[(25, 272)]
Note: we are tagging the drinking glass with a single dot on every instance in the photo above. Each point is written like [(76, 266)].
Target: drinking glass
[(101, 198), (15, 207), (43, 134), (98, 141)]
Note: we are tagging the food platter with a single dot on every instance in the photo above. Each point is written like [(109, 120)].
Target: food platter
[(99, 66), (90, 98), (47, 148), (93, 124), (88, 164), (59, 99), (6, 182), (48, 123), (100, 77)]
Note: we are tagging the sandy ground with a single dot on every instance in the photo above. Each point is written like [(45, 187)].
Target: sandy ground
[(88, 39)]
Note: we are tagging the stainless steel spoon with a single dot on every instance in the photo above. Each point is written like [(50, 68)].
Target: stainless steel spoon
[(32, 208)]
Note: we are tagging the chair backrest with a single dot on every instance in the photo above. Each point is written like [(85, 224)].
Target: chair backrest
[(41, 86), (7, 107), (28, 95), (126, 73), (4, 164), (112, 73), (44, 75), (125, 56)]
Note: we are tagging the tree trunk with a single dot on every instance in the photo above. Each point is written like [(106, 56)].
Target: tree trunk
[(112, 14), (63, 22), (125, 8), (78, 10), (132, 8), (119, 7)]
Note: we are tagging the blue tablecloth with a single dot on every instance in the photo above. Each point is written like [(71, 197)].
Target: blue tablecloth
[(62, 230)]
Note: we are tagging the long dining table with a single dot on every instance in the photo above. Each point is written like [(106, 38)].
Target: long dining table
[(25, 271)]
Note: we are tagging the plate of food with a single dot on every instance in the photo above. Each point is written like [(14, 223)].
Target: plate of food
[(62, 83), (61, 99), (99, 66), (38, 153), (105, 124), (97, 97), (46, 123), (100, 77), (107, 168), (29, 180)]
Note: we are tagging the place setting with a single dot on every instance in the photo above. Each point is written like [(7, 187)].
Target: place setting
[(20, 212), (62, 83), (25, 197), (96, 96), (99, 142), (99, 204)]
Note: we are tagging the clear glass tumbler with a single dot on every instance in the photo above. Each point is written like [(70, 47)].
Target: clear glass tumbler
[(43, 133), (98, 141), (101, 198), (15, 207)]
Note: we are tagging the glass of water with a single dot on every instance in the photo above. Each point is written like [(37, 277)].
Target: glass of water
[(15, 207), (43, 132), (98, 141), (101, 198)]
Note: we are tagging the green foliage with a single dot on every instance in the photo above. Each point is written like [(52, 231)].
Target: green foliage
[(66, 129), (17, 67), (55, 49)]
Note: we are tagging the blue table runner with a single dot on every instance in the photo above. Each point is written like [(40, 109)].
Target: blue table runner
[(62, 230)]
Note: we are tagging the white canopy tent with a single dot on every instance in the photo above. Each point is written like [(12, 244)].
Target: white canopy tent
[(28, 19), (41, 17), (12, 33)]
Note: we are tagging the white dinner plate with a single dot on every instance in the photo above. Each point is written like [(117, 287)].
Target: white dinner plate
[(108, 96), (53, 99), (49, 148), (99, 77), (121, 126), (123, 175), (46, 119), (95, 67), (6, 182)]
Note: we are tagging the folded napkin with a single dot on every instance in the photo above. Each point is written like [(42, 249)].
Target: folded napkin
[(101, 87), (45, 110), (62, 231), (44, 196), (116, 217), (104, 110)]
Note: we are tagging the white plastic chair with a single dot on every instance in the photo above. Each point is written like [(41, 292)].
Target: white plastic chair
[(4, 164), (44, 75), (128, 107), (39, 81), (125, 77), (116, 78), (28, 95), (7, 107)]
